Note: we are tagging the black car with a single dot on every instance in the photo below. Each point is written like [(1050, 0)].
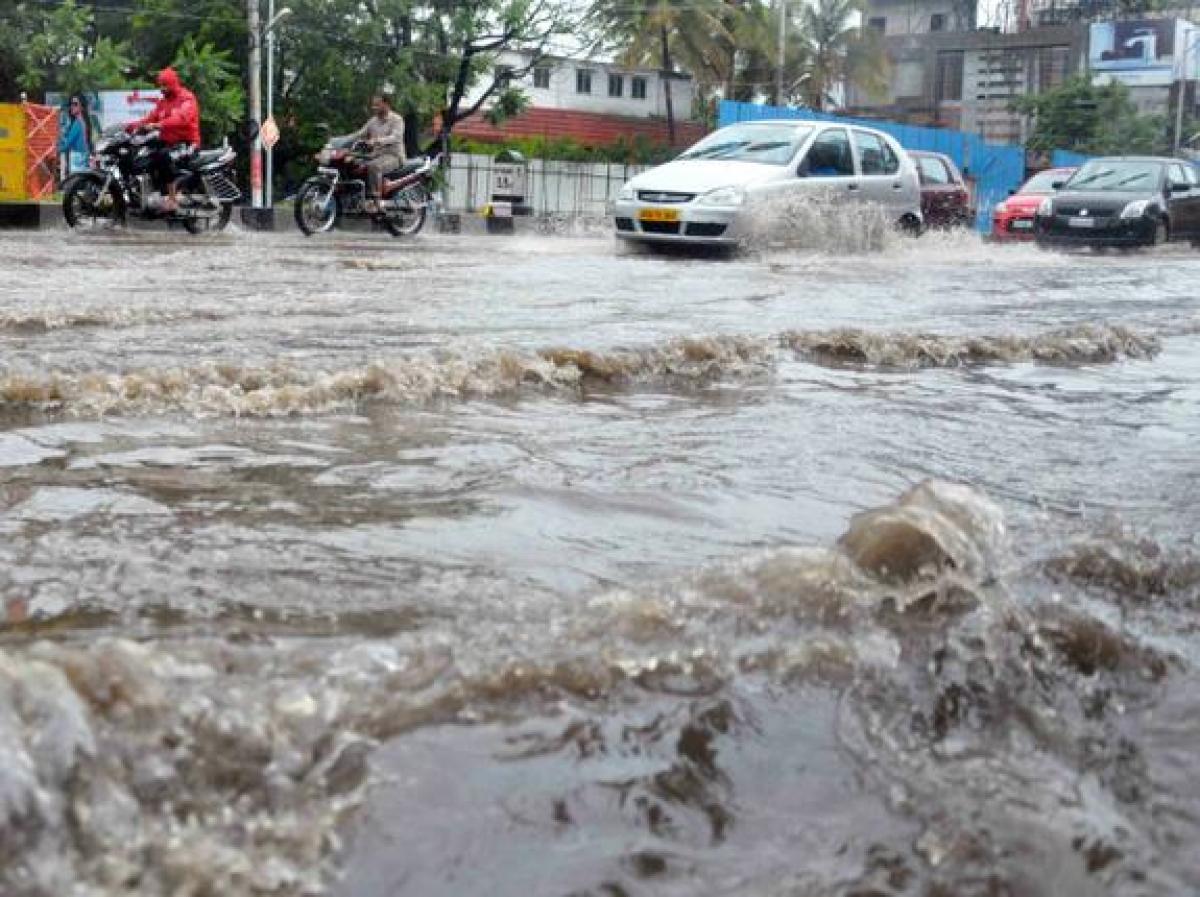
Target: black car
[(1126, 201)]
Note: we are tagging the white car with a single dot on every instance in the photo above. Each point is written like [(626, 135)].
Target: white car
[(715, 192)]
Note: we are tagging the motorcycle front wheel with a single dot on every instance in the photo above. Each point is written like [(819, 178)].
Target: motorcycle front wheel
[(87, 204), (408, 217), (317, 208)]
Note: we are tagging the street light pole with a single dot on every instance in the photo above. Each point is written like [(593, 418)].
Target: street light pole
[(273, 19), (270, 97), (255, 101), (782, 48)]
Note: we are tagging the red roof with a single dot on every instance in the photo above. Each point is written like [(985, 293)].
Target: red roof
[(588, 128)]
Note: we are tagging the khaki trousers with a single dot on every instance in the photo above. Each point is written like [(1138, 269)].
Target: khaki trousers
[(376, 169)]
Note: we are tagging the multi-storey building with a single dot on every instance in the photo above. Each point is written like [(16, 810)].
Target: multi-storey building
[(948, 73)]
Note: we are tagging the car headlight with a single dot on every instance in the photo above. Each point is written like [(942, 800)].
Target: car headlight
[(1135, 209), (625, 192), (1001, 208), (723, 196), (1046, 209)]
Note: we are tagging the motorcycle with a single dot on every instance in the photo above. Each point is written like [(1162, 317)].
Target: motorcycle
[(339, 188), (119, 184)]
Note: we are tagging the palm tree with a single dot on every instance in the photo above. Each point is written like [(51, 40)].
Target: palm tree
[(665, 32), (840, 50)]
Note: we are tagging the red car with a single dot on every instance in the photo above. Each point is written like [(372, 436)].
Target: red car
[(945, 198), (1012, 219)]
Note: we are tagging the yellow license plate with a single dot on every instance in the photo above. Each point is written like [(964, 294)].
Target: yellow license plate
[(659, 215)]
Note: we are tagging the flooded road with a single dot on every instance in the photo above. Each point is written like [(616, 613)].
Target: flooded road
[(521, 566)]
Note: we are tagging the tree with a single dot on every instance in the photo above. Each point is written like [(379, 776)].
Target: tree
[(430, 53), (65, 53), (1091, 119), (17, 22), (157, 29), (212, 75), (840, 50), (664, 33)]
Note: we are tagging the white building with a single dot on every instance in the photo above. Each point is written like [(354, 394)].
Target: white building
[(598, 87)]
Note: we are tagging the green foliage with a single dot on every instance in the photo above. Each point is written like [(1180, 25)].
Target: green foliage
[(213, 76), (65, 56), (1095, 120), (17, 22), (639, 150), (158, 28), (510, 103)]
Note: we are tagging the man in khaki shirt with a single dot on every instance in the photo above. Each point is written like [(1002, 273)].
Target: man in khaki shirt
[(384, 134)]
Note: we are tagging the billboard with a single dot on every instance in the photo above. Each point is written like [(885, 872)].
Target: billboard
[(1142, 52), (111, 107)]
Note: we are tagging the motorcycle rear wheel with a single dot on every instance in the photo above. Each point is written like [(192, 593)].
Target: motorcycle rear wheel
[(215, 225), (409, 218), (317, 209), (87, 204)]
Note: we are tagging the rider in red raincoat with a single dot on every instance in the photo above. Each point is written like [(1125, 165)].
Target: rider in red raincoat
[(176, 117)]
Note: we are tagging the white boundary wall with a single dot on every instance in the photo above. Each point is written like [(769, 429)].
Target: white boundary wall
[(555, 188)]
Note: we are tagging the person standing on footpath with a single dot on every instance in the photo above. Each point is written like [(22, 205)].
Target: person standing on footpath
[(384, 134), (75, 142)]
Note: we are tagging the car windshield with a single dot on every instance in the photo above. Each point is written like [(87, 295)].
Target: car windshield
[(1101, 175), (1044, 182), (769, 144)]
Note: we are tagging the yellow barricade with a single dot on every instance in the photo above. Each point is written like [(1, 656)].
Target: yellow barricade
[(12, 153)]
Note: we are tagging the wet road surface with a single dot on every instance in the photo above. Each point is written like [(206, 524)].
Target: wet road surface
[(543, 566)]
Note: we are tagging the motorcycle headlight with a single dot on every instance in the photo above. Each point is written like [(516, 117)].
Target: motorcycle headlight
[(723, 196), (626, 192), (1135, 209), (324, 157), (1046, 209)]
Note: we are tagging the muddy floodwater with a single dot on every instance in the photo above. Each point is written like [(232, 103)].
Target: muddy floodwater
[(537, 566)]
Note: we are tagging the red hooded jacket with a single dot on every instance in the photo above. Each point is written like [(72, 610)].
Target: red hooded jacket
[(176, 115)]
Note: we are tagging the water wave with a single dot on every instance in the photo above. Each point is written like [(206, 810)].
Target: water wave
[(203, 766), (48, 319), (1083, 344), (284, 389)]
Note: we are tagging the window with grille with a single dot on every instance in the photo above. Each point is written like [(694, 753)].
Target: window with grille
[(541, 76), (616, 85), (637, 88), (948, 78), (1053, 63), (583, 80)]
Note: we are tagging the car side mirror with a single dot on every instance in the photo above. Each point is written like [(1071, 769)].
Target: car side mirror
[(1012, 191), (1056, 185), (1180, 187)]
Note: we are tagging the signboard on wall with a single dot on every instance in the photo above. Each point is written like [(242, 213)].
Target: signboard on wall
[(1141, 52)]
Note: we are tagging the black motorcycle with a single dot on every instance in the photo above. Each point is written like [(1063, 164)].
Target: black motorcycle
[(339, 188), (120, 183)]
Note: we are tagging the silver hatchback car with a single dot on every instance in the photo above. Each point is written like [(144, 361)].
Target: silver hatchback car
[(713, 192)]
